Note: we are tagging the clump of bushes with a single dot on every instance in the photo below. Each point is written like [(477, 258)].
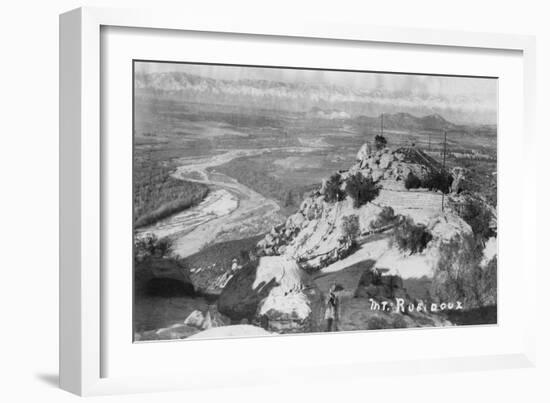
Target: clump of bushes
[(333, 190), (380, 142), (378, 322), (385, 217), (412, 237), (479, 217), (438, 181), (461, 276), (399, 322), (350, 226), (412, 181), (362, 190), (158, 195), (150, 246)]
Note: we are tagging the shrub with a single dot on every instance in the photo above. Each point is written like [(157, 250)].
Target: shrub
[(350, 226), (385, 217), (479, 217), (333, 191), (149, 245), (362, 190), (410, 236), (412, 181), (380, 142), (399, 322), (439, 180), (460, 276), (378, 322)]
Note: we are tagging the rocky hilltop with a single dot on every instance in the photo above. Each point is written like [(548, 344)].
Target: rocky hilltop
[(317, 237), (395, 228)]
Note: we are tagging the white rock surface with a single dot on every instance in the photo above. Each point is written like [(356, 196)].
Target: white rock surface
[(230, 331), (287, 297), (195, 319), (363, 152), (490, 251)]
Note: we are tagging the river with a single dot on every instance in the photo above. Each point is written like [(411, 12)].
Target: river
[(231, 210)]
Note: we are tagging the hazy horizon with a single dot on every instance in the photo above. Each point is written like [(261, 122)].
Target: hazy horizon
[(461, 100)]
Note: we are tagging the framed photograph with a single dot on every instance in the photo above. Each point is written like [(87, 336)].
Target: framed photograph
[(243, 202)]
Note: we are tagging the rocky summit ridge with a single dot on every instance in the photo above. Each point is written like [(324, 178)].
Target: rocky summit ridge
[(280, 290), (315, 235)]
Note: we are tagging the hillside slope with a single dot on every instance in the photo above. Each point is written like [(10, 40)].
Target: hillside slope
[(316, 236)]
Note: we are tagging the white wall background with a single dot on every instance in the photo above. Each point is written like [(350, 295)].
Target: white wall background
[(29, 201)]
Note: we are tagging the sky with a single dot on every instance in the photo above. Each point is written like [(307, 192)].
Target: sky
[(464, 92)]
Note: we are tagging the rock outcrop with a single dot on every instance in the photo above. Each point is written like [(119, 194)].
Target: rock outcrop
[(274, 293), (212, 318), (174, 332), (315, 236)]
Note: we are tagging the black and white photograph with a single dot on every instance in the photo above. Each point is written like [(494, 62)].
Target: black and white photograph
[(275, 200)]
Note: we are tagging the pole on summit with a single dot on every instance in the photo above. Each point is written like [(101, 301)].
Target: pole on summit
[(444, 170)]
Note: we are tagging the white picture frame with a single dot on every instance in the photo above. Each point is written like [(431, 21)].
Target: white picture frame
[(82, 307)]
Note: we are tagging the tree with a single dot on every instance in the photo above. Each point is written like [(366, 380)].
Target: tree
[(412, 181), (380, 142), (410, 236), (333, 190), (350, 226), (479, 217), (149, 245), (362, 190), (385, 217), (461, 276), (439, 181)]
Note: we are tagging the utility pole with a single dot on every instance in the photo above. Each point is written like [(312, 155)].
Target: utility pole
[(444, 170), (430, 141), (382, 124)]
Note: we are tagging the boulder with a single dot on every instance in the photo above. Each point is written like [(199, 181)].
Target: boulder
[(385, 160), (242, 295), (293, 306), (295, 221), (276, 293), (212, 318), (195, 319), (363, 152), (377, 174)]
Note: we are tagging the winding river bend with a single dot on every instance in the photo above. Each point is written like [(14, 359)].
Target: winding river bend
[(230, 211)]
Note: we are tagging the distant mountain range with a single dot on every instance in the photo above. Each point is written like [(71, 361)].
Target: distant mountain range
[(401, 120), (299, 96)]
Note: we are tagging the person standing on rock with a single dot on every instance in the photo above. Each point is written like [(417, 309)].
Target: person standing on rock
[(332, 309)]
